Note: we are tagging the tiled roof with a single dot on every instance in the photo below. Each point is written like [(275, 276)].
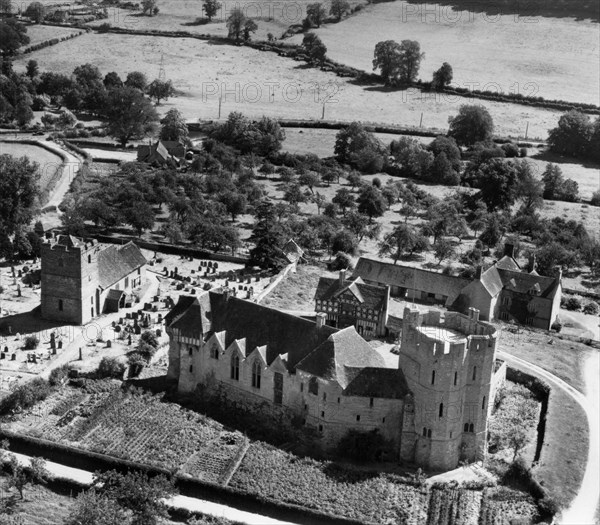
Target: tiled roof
[(410, 278), (522, 282), (370, 296), (388, 383), (116, 262), (508, 263), (292, 251), (491, 281), (258, 325), (69, 240), (341, 357)]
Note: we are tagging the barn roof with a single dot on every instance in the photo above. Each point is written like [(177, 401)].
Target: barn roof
[(369, 296)]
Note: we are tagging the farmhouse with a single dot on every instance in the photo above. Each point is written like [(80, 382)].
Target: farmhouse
[(503, 291), (161, 153), (81, 279), (430, 409), (351, 302)]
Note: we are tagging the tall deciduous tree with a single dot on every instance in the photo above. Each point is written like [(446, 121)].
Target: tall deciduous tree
[(399, 63), (314, 47), (18, 191), (371, 202), (339, 8), (572, 134), (160, 90), (174, 127), (130, 115), (442, 77), (472, 124), (210, 8), (315, 13)]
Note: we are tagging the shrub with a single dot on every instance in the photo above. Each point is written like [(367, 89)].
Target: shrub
[(547, 507), (523, 152), (31, 342), (572, 303), (58, 375), (25, 396), (596, 198), (510, 149), (556, 326), (362, 446), (149, 337), (110, 367), (342, 261), (591, 308), (136, 364)]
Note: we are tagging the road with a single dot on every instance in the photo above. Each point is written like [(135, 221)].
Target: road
[(582, 510), (69, 170), (179, 502)]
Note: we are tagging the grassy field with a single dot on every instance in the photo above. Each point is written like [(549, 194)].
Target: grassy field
[(41, 33), (534, 56), (259, 83), (48, 162)]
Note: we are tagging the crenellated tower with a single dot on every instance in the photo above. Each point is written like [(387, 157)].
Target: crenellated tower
[(448, 361), (69, 280)]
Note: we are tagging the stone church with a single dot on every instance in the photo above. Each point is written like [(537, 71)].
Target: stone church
[(82, 279), (430, 405)]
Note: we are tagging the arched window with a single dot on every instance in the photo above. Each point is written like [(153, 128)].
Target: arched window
[(429, 433), (441, 410), (471, 428), (433, 377), (455, 378), (474, 373), (483, 403), (60, 305), (190, 351), (256, 374), (214, 352), (89, 259), (424, 432), (466, 427), (235, 367)]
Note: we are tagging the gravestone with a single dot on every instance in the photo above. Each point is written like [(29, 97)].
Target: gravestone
[(109, 344)]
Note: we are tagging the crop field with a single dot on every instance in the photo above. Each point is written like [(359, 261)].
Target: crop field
[(531, 55), (133, 426), (376, 498), (48, 162), (259, 83)]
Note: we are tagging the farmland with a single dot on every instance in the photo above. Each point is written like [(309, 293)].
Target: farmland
[(531, 55), (259, 83), (40, 33)]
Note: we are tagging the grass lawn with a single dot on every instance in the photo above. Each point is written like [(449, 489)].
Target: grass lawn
[(259, 83), (40, 33), (534, 56), (564, 455)]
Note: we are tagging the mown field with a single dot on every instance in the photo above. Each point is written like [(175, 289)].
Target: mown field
[(48, 162), (531, 55), (41, 33), (259, 83)]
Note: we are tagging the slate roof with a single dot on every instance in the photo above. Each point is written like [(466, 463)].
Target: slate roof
[(369, 295), (292, 251), (259, 325), (387, 383), (69, 240), (116, 262), (410, 278), (341, 357), (522, 282), (508, 263), (491, 281)]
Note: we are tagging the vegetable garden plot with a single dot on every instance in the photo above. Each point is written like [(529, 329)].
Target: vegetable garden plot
[(502, 505), (454, 506)]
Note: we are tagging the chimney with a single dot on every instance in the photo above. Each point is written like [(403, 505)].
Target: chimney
[(321, 317), (558, 272), (342, 278), (226, 293), (532, 263), (509, 249), (478, 272), (474, 314)]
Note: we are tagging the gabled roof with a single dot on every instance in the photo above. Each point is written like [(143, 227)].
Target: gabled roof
[(388, 383), (116, 262), (370, 296), (292, 251), (508, 263), (340, 357), (69, 241), (259, 325), (410, 278), (522, 282), (491, 281)]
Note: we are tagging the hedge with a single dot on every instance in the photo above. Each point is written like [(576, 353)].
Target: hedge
[(51, 42)]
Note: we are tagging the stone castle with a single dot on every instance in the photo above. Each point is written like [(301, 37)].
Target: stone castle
[(430, 405), (82, 279)]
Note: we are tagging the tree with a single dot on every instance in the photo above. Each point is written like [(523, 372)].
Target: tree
[(92, 508), (371, 202), (136, 80), (339, 8), (149, 7), (5, 7), (112, 80), (493, 232), (572, 134), (358, 147), (399, 63), (137, 493), (309, 179), (319, 200), (268, 238), (174, 127), (361, 226), (443, 249), (234, 202), (161, 90), (556, 187), (32, 69), (18, 191), (404, 239), (23, 113), (249, 27), (472, 124), (236, 24), (111, 367), (498, 184), (343, 241), (19, 475), (210, 8), (448, 146), (315, 14), (529, 190), (344, 199), (140, 217), (314, 47), (12, 37), (442, 77), (36, 12), (130, 115)]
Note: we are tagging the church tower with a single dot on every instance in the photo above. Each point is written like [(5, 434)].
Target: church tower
[(69, 280), (448, 362)]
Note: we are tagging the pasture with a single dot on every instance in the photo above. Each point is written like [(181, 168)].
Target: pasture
[(40, 33), (260, 83), (531, 55)]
